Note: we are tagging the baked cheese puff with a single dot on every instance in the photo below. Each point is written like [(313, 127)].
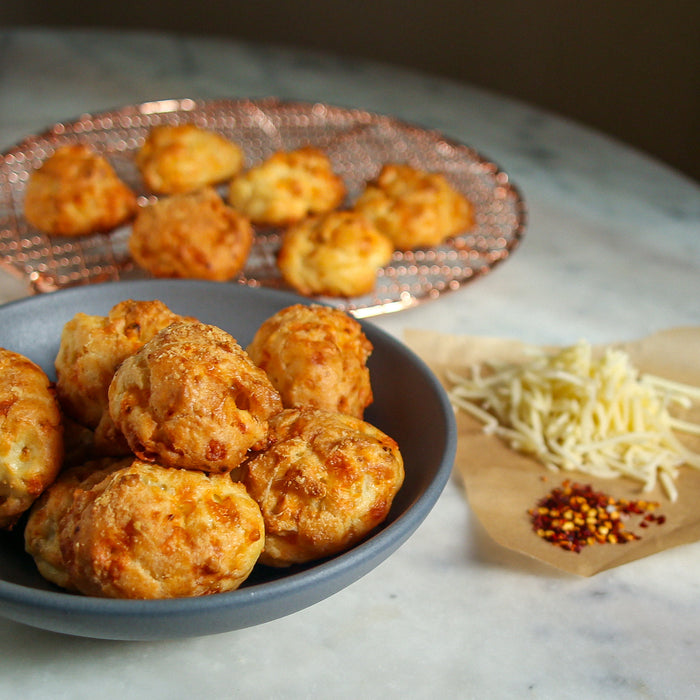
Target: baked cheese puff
[(79, 442), (287, 187), (31, 435), (192, 235), (323, 482), (334, 254), (91, 348), (184, 157), (316, 357), (192, 398), (76, 192), (148, 531), (41, 533), (414, 208)]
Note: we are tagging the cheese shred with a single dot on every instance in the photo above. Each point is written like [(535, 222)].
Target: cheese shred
[(575, 411)]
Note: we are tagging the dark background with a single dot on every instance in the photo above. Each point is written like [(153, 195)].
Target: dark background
[(628, 68)]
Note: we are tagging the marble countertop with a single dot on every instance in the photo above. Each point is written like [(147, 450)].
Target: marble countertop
[(612, 252)]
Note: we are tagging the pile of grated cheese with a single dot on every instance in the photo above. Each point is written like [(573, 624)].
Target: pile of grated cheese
[(574, 411)]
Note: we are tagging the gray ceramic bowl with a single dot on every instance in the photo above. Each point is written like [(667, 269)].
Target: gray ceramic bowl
[(410, 405)]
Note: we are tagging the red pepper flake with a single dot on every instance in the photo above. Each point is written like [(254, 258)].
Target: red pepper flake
[(574, 516)]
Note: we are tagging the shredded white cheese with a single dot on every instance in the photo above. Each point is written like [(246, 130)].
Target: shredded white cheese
[(573, 411)]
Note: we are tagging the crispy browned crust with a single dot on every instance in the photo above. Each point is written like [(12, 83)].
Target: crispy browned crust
[(147, 531), (31, 435), (414, 208), (287, 187), (192, 398), (76, 192), (323, 483), (184, 157), (336, 254), (194, 235), (41, 533), (91, 349), (316, 357)]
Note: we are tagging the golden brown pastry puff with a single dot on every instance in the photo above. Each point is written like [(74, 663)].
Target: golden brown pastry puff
[(41, 533), (287, 187), (90, 350), (336, 254), (184, 157), (316, 357), (194, 235), (31, 435), (324, 481), (148, 531), (76, 192), (192, 398), (413, 207)]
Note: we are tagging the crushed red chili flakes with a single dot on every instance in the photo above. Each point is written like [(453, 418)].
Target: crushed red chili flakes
[(573, 516)]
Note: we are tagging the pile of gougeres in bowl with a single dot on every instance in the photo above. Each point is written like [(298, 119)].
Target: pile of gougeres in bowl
[(168, 462)]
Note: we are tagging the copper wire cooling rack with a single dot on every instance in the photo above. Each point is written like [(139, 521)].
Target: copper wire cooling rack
[(357, 142)]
